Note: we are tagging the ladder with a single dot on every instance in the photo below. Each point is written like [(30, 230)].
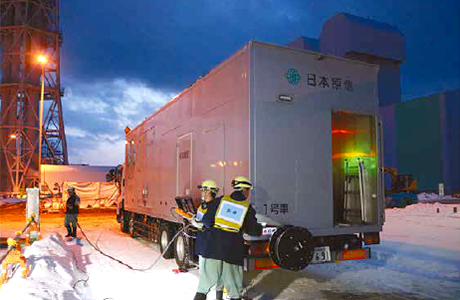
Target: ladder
[(355, 192)]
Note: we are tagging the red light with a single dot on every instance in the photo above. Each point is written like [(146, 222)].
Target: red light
[(264, 264), (342, 131)]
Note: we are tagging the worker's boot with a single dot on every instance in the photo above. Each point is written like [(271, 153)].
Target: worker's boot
[(69, 231), (200, 296), (74, 231), (219, 295)]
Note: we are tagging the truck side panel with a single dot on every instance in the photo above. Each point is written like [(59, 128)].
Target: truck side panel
[(213, 117)]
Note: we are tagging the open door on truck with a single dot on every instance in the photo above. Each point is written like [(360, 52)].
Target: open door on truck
[(355, 169), (184, 165)]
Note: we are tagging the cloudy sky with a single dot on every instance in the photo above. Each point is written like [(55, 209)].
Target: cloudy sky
[(121, 60)]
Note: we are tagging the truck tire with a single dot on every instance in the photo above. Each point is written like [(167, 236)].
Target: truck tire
[(181, 251), (123, 222), (165, 235)]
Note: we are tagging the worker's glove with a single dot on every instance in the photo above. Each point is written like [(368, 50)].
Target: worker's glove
[(196, 223)]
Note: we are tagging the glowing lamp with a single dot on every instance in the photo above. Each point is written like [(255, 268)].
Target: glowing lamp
[(42, 59)]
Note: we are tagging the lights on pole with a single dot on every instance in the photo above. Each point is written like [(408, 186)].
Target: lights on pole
[(42, 59)]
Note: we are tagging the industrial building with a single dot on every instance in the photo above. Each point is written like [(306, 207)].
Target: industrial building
[(428, 139)]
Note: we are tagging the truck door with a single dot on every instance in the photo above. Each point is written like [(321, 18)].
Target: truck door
[(184, 165), (142, 199), (356, 169), (149, 165)]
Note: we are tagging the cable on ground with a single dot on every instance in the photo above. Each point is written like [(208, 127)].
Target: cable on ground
[(125, 264)]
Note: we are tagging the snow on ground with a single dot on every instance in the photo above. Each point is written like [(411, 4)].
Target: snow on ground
[(6, 201), (418, 258), (427, 197), (419, 255)]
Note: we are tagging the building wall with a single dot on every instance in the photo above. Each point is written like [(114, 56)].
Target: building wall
[(451, 140), (388, 118), (419, 141), (428, 140)]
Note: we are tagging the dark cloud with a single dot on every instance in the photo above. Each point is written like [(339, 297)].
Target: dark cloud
[(96, 114)]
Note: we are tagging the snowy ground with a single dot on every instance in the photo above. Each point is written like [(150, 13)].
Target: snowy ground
[(419, 257)]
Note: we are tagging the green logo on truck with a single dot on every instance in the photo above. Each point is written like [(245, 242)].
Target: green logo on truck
[(292, 76)]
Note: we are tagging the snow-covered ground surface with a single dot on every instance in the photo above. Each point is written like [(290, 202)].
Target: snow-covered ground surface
[(9, 201), (428, 197), (418, 258)]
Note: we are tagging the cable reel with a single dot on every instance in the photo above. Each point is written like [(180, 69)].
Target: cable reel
[(291, 248)]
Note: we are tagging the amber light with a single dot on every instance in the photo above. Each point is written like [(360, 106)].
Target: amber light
[(371, 238), (354, 254), (260, 249)]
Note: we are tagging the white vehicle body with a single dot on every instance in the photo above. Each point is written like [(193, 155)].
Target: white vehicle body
[(302, 126)]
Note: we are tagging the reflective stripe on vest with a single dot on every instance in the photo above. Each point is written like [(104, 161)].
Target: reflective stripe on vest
[(200, 212), (230, 214)]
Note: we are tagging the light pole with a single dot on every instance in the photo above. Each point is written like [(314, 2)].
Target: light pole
[(42, 60), (16, 136)]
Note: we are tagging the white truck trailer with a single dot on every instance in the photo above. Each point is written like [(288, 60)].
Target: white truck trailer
[(303, 126)]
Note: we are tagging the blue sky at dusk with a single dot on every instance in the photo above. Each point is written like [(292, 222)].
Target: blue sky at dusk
[(121, 60)]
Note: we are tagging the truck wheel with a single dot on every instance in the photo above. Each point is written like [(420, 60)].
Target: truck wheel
[(181, 251), (123, 222), (165, 235)]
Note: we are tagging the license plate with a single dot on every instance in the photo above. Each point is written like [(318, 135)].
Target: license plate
[(321, 254), (269, 231)]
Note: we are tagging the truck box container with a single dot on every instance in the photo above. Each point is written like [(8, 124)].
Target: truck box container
[(301, 125)]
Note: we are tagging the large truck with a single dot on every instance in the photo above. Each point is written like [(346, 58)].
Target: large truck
[(301, 125)]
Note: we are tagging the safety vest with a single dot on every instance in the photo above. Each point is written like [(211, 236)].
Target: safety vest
[(230, 214), (201, 211)]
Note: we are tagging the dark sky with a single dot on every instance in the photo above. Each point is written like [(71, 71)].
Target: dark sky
[(122, 59)]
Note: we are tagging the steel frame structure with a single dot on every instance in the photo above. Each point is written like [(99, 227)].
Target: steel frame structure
[(29, 28)]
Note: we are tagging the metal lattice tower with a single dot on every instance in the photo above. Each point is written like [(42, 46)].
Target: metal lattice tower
[(29, 28)]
